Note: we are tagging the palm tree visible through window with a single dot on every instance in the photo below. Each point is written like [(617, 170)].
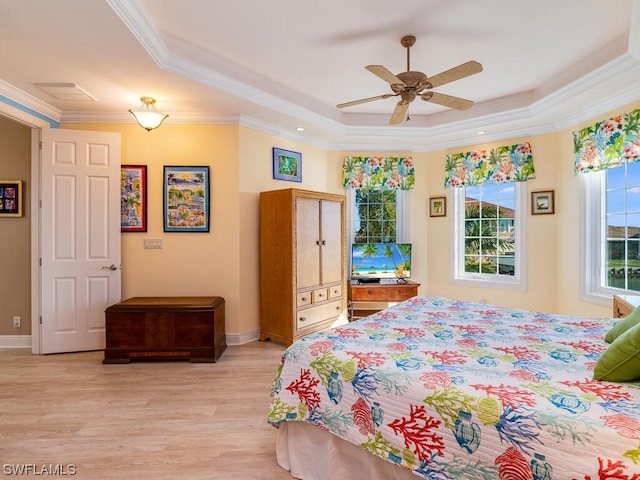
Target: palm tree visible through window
[(489, 229), (375, 216)]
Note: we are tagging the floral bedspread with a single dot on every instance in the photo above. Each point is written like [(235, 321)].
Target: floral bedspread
[(451, 390)]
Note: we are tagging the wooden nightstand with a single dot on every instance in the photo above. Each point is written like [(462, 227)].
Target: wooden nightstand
[(623, 305), (368, 295)]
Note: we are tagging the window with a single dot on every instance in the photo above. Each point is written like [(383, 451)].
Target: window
[(375, 216), (378, 216), (611, 200), (487, 229)]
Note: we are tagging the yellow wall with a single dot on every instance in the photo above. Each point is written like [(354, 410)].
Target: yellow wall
[(256, 167), (15, 232), (189, 263), (225, 261), (552, 240), (541, 233), (569, 259)]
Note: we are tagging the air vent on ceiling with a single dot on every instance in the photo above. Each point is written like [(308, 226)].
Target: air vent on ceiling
[(66, 91)]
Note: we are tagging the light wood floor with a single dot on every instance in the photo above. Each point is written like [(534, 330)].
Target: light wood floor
[(143, 420)]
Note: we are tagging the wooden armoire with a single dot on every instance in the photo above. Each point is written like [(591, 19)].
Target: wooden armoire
[(303, 270)]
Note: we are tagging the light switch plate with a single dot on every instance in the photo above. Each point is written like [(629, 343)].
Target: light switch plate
[(152, 243)]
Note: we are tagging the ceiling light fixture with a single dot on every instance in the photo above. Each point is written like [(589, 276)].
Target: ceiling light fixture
[(147, 116)]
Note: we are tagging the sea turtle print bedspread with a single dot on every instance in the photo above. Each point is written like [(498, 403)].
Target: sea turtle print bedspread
[(452, 390)]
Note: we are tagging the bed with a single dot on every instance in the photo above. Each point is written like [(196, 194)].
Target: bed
[(442, 389)]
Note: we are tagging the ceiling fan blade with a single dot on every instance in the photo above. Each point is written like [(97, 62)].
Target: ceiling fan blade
[(447, 100), (400, 113), (384, 74), (365, 100), (455, 73)]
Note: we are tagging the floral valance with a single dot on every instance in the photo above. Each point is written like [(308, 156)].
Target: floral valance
[(513, 163), (384, 173), (607, 144)]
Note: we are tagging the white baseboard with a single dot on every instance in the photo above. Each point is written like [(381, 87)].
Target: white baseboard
[(242, 338), (24, 341), (15, 341)]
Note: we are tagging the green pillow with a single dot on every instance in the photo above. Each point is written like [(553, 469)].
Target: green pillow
[(620, 362), (623, 325)]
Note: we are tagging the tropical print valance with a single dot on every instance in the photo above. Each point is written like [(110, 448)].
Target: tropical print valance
[(384, 173), (513, 163), (607, 144)]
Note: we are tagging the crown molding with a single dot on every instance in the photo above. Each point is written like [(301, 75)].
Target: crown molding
[(125, 117), (23, 99), (611, 86)]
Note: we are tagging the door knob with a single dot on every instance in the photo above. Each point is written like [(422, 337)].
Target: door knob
[(111, 267)]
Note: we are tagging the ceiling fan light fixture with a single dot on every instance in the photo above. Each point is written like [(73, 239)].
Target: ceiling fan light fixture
[(412, 84), (146, 115)]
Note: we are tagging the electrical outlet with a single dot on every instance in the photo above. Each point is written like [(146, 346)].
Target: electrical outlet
[(16, 322)]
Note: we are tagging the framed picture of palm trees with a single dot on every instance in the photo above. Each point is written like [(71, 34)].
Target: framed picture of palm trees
[(133, 198), (186, 199)]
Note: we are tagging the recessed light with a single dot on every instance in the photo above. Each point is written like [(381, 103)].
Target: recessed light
[(481, 132), (300, 129)]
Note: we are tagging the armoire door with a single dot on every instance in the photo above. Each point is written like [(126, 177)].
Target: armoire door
[(307, 220), (331, 233)]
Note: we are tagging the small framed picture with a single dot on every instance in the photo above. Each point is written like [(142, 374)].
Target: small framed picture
[(10, 198), (133, 198), (542, 202), (438, 207), (287, 165)]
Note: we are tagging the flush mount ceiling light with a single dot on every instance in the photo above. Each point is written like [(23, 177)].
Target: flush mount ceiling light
[(147, 116)]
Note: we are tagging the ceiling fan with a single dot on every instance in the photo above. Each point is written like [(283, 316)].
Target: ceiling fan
[(409, 85)]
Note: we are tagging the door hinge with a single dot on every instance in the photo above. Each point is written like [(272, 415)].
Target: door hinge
[(40, 145), (40, 261), (40, 319), (40, 203)]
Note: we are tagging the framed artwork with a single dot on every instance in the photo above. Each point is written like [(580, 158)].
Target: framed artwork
[(10, 198), (438, 207), (542, 202), (186, 199), (287, 165), (133, 198)]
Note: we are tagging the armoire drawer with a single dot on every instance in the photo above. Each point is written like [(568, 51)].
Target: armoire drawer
[(319, 295), (310, 316), (335, 292), (303, 299)]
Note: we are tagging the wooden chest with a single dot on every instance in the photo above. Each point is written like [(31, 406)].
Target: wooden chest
[(140, 328)]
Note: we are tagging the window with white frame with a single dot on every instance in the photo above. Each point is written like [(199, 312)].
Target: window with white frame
[(611, 200), (607, 155), (489, 190), (488, 231), (378, 216), (377, 188)]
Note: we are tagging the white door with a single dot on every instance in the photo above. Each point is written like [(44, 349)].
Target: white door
[(79, 237)]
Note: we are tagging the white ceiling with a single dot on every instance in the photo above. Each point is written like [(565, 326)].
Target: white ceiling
[(279, 64)]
